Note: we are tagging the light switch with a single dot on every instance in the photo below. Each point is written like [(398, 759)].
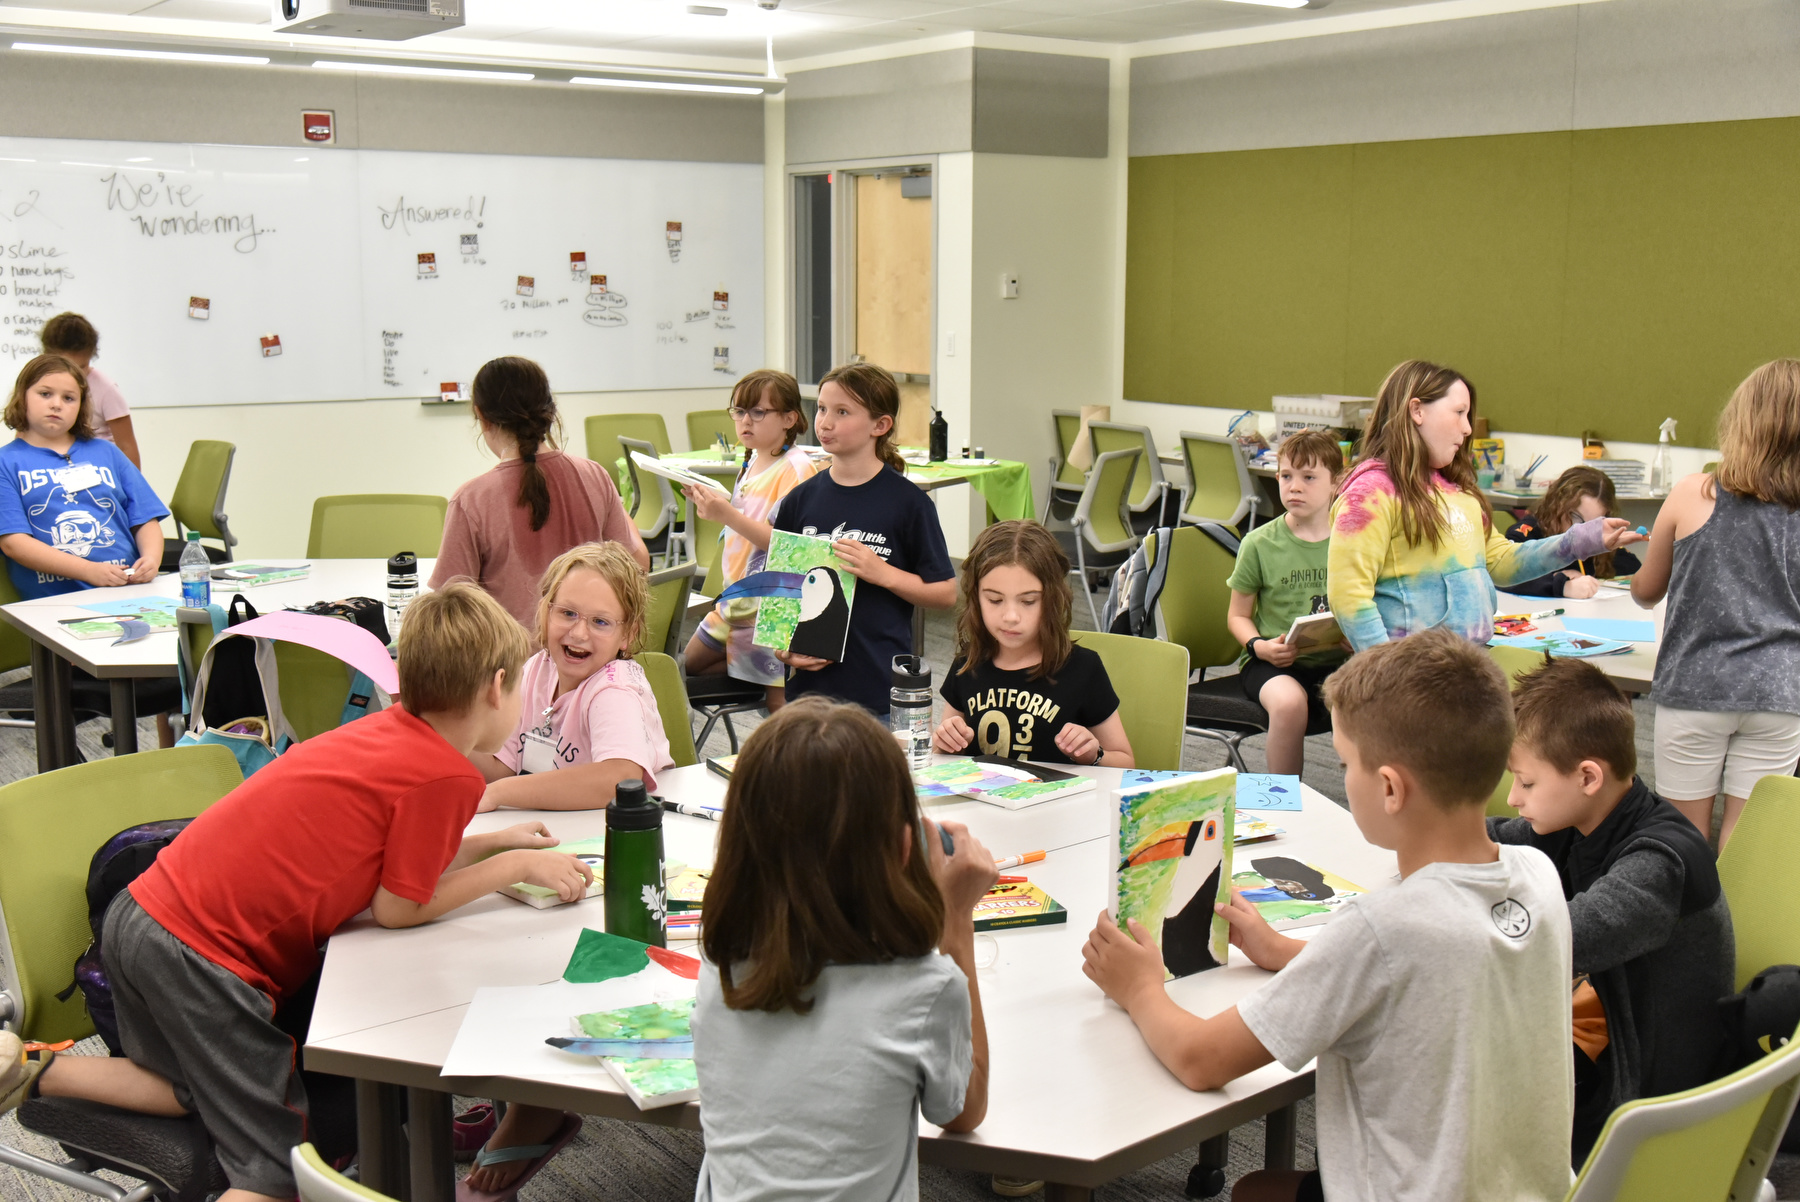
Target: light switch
[(1009, 286)]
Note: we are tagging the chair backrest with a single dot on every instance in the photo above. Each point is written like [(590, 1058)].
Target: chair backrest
[(376, 526), (714, 583), (605, 429), (671, 705), (1150, 677), (668, 601), (1713, 1142), (1068, 428), (199, 500), (708, 541), (15, 644), (52, 824), (705, 425), (1196, 600), (313, 687), (653, 497), (319, 1182), (1219, 485), (1147, 486), (1755, 869), (1100, 515), (1515, 662)]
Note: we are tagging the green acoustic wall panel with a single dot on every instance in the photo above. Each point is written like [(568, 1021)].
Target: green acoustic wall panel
[(1599, 279)]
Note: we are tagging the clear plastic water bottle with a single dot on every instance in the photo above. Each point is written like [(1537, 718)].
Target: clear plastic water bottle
[(909, 709), (196, 573), (403, 586)]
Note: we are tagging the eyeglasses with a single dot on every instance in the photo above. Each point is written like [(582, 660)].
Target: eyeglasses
[(752, 415)]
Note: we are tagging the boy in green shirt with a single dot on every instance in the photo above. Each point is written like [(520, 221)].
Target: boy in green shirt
[(1280, 576)]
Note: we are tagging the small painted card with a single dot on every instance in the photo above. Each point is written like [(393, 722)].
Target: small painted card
[(653, 1083), (813, 617), (1292, 893), (1173, 842)]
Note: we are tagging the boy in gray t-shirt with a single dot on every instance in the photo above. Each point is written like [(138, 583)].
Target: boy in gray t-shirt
[(1438, 1010)]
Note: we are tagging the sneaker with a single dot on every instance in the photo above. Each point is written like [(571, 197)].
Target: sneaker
[(1014, 1187), (16, 1072)]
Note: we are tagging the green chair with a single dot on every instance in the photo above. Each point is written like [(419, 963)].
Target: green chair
[(1755, 869), (671, 704), (53, 823), (1102, 536), (1710, 1144), (198, 503), (1066, 480), (654, 507), (668, 603), (1515, 662), (1711, 465), (1219, 485), (605, 429), (376, 526), (706, 425), (319, 1182), (1147, 484), (1150, 676), (708, 540), (313, 687), (1504, 520)]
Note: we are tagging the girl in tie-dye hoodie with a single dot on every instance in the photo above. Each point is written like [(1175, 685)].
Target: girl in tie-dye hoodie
[(1413, 544)]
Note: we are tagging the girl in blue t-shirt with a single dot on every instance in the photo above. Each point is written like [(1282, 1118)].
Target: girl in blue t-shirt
[(75, 513), (886, 533)]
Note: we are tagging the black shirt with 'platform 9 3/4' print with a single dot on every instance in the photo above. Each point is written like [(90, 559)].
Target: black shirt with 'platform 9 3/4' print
[(1019, 718)]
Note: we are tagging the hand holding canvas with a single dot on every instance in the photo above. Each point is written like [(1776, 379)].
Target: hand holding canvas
[(1252, 934), (710, 505), (860, 560), (1123, 965), (806, 663)]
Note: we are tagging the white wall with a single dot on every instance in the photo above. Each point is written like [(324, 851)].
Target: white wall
[(289, 454)]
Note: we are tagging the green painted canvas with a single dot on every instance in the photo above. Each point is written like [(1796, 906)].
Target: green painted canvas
[(654, 1020), (1173, 842), (814, 617), (652, 1082)]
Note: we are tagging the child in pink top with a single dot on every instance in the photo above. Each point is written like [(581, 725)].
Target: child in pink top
[(765, 405), (588, 719)]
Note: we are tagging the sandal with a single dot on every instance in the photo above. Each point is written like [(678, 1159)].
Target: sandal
[(538, 1154), (472, 1129)]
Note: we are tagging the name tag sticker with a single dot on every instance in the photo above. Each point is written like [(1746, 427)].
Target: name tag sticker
[(539, 754), (77, 477)]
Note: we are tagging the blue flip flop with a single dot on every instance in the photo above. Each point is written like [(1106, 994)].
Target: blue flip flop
[(538, 1154)]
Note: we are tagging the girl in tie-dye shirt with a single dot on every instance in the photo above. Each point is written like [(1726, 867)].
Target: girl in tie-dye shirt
[(766, 407), (1413, 544)]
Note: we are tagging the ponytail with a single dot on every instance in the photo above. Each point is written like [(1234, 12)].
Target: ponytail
[(876, 391), (514, 395)]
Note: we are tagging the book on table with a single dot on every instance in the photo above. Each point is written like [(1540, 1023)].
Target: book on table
[(1292, 893), (1012, 784)]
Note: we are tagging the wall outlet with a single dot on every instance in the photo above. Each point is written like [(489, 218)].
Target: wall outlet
[(1009, 286)]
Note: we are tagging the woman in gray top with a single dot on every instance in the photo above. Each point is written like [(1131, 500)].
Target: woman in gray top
[(1726, 551)]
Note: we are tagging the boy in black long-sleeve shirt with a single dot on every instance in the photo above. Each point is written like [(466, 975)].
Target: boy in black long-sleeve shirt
[(1653, 946)]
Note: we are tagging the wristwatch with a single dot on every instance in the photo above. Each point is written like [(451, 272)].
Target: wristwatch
[(1251, 645), (1099, 754)]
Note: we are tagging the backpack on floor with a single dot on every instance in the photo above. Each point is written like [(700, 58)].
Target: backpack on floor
[(120, 861), (1759, 1020)]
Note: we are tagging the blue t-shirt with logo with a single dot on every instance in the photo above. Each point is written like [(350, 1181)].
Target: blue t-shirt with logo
[(86, 504), (893, 517)]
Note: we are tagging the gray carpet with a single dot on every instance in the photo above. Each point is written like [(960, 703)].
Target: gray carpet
[(630, 1162)]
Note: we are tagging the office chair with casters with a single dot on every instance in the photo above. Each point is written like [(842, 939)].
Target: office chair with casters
[(1148, 488), (654, 507), (1220, 488), (1066, 480), (198, 503), (1101, 536), (376, 526)]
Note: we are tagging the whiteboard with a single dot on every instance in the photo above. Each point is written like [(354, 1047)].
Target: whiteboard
[(309, 263)]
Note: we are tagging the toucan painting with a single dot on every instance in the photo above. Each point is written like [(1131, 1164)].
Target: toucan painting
[(824, 622), (1187, 925)]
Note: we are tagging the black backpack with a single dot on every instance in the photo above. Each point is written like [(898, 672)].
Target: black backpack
[(120, 861), (1761, 1020)]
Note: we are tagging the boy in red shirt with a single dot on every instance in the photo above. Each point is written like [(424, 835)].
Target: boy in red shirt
[(229, 919)]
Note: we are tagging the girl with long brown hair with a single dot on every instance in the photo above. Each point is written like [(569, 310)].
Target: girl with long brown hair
[(1413, 544), (1019, 687), (1726, 552), (838, 999), (886, 534), (1580, 494), (505, 526)]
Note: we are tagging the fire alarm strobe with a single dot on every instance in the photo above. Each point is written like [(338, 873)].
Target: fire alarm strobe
[(317, 126)]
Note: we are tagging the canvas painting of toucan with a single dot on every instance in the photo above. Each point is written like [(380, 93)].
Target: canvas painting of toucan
[(1174, 848), (806, 595)]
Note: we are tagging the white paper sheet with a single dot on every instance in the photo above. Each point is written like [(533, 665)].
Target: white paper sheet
[(504, 1028)]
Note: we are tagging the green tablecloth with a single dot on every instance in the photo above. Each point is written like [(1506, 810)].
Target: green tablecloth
[(1005, 486)]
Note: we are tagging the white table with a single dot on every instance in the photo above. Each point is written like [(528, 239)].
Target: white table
[(1633, 670), (53, 651), (1075, 1096)]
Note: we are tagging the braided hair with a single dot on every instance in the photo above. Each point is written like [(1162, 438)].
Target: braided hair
[(513, 394)]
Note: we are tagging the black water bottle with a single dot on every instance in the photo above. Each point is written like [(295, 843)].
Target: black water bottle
[(940, 437)]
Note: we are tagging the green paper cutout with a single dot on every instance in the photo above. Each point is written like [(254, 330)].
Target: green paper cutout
[(601, 957)]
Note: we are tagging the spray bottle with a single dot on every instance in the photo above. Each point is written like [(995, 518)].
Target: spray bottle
[(1662, 468)]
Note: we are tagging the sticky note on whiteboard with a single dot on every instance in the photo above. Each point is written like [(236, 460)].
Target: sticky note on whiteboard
[(722, 301), (450, 391), (577, 264), (427, 265), (199, 308), (527, 286), (471, 244), (271, 345)]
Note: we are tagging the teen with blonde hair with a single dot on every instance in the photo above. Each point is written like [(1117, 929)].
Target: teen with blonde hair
[(1726, 552), (1413, 545), (1018, 686)]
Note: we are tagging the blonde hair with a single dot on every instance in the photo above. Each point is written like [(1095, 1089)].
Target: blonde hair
[(1393, 438), (613, 564), (49, 365), (453, 641), (1759, 437)]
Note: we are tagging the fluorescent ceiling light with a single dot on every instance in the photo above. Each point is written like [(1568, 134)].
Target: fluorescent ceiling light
[(121, 52), (395, 69), (1279, 3), (658, 85)]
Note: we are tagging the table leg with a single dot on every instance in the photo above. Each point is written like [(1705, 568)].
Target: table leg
[(1054, 1192), (432, 1158), (124, 716), (1278, 1138), (1207, 1178), (51, 703), (380, 1144)]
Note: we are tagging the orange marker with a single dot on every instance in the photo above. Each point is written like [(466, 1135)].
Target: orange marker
[(1030, 857)]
